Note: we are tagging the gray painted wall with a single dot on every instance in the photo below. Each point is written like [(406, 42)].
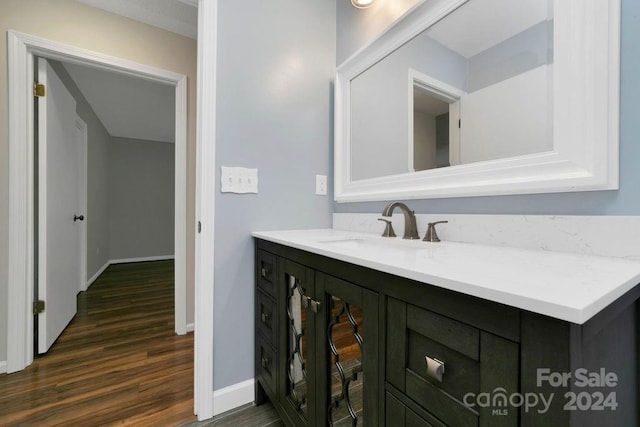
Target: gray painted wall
[(625, 201), (424, 141), (523, 52), (98, 141), (141, 198), (276, 61)]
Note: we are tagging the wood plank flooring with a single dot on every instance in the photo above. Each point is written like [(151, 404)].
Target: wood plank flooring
[(248, 416), (117, 363)]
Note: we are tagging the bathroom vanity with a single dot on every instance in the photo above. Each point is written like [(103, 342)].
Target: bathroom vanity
[(355, 329)]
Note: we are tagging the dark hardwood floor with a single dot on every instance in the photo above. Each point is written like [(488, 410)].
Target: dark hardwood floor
[(248, 416), (117, 363)]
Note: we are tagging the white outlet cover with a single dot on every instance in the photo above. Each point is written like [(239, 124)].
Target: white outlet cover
[(321, 185), (238, 180)]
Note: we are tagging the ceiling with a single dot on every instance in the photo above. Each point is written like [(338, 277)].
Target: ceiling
[(488, 22), (178, 16), (128, 107)]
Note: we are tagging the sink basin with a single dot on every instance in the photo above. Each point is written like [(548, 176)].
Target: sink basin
[(347, 243), (361, 243)]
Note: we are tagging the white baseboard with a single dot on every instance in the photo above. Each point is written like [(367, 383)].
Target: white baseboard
[(3, 366), (233, 396), (98, 273), (143, 259), (190, 327), (124, 261)]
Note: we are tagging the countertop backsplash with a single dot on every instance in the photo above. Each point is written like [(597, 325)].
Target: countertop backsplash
[(614, 236)]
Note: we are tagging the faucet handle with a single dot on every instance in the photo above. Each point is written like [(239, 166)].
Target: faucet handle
[(388, 229), (431, 235)]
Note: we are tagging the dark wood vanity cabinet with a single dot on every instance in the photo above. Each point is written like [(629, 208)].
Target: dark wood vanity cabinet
[(320, 367), (339, 344)]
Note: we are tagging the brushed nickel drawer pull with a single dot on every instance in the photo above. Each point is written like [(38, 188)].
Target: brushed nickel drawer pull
[(265, 272), (435, 368), (264, 317), (264, 362)]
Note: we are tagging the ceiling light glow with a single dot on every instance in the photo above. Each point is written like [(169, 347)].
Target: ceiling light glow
[(361, 4)]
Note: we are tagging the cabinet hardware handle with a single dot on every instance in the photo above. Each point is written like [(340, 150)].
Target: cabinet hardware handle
[(264, 362), (265, 272), (264, 317), (435, 368), (308, 301)]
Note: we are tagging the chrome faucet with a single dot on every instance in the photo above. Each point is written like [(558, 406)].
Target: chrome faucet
[(410, 227)]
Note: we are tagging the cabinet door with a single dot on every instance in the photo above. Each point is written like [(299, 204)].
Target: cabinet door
[(297, 342), (347, 370)]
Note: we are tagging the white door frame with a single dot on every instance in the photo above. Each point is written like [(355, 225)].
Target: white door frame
[(21, 51)]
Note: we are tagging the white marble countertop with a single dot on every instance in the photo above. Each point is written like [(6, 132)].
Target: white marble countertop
[(567, 286)]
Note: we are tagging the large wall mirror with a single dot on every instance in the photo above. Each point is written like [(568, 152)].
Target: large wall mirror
[(482, 97)]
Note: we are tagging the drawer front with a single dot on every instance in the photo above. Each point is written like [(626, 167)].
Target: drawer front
[(266, 366), (437, 361), (398, 414), (266, 273), (267, 320), (437, 343)]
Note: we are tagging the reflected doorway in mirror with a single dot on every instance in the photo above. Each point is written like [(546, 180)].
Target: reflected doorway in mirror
[(434, 122)]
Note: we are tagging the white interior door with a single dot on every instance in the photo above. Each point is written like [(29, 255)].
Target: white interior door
[(58, 204)]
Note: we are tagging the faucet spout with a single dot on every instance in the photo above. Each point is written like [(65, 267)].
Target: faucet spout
[(410, 227)]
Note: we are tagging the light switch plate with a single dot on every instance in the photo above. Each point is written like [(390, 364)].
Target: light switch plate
[(321, 185), (238, 180)]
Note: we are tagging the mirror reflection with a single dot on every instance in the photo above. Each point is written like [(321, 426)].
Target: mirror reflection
[(297, 345), (475, 86), (347, 378)]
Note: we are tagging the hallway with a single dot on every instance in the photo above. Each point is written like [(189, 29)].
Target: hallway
[(118, 362)]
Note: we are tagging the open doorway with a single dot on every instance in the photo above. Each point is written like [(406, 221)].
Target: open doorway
[(23, 49), (129, 215)]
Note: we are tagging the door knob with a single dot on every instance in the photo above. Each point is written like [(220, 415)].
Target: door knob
[(78, 218)]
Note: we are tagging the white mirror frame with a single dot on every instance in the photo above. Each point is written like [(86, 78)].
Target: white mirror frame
[(586, 92)]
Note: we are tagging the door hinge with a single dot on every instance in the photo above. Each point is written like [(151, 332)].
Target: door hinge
[(38, 89), (38, 306)]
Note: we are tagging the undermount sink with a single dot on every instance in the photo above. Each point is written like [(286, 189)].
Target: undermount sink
[(347, 243), (361, 243)]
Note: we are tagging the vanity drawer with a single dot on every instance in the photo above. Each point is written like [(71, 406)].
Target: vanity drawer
[(266, 274), (435, 361), (399, 414), (267, 320), (266, 366)]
